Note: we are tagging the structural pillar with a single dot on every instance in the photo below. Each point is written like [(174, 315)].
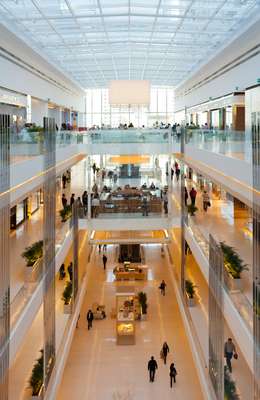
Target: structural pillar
[(4, 254)]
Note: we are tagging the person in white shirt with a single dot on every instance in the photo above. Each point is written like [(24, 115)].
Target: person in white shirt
[(206, 200)]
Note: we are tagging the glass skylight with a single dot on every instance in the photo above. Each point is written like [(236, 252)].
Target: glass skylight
[(95, 41)]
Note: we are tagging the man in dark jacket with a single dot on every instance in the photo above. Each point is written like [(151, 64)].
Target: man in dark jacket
[(90, 317), (152, 367), (104, 261)]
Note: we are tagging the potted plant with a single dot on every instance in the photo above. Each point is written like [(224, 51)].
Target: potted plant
[(192, 209), (33, 255), (190, 293), (65, 213), (234, 266), (142, 298), (66, 297), (36, 379), (230, 391)]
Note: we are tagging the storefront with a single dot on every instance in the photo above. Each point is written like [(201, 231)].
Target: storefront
[(18, 214), (15, 105), (34, 202), (24, 209)]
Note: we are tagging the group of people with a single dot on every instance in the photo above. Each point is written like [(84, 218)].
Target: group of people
[(153, 365), (175, 170), (193, 195)]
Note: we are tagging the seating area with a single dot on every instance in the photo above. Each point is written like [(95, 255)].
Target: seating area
[(131, 200)]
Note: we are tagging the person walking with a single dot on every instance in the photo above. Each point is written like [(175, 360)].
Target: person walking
[(186, 196), (145, 207), (206, 200), (64, 181), (177, 173), (229, 352), (162, 287), (94, 168), (90, 317), (85, 202), (164, 352), (172, 173), (72, 199), (104, 258), (173, 374), (165, 202), (152, 367), (64, 201), (70, 271), (193, 194), (99, 248)]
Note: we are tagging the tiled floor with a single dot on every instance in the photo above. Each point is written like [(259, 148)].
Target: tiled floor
[(97, 368)]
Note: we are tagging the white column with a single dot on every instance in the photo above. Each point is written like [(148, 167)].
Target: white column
[(39, 111), (89, 186)]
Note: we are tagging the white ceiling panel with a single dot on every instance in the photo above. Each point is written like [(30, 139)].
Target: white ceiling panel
[(95, 41)]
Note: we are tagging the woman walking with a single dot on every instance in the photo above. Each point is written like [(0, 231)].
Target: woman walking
[(164, 352)]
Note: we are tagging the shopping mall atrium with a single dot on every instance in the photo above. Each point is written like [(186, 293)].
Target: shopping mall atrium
[(130, 199)]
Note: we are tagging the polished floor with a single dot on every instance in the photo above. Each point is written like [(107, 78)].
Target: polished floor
[(97, 368)]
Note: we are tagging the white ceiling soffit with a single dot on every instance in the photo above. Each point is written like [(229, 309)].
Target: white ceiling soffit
[(96, 41)]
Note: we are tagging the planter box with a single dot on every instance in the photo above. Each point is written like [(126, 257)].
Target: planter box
[(191, 302), (31, 397), (67, 308), (234, 285)]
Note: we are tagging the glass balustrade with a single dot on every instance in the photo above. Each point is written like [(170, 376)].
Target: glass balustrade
[(239, 299), (230, 143), (27, 290)]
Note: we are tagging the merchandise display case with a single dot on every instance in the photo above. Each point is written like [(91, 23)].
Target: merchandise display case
[(125, 324)]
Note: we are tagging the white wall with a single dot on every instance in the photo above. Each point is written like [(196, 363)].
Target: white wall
[(39, 111), (43, 82), (241, 76)]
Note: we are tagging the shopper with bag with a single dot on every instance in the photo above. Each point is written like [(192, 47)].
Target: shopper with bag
[(173, 373), (229, 352)]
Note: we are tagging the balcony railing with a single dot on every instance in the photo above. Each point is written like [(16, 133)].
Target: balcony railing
[(26, 292), (239, 299), (230, 143)]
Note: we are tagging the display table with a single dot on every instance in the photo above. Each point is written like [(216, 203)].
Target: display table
[(125, 324), (131, 272)]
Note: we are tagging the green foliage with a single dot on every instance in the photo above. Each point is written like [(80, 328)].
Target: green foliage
[(229, 386), (192, 209), (65, 213), (142, 297), (67, 293), (35, 129), (190, 288), (233, 263), (36, 379), (33, 253)]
